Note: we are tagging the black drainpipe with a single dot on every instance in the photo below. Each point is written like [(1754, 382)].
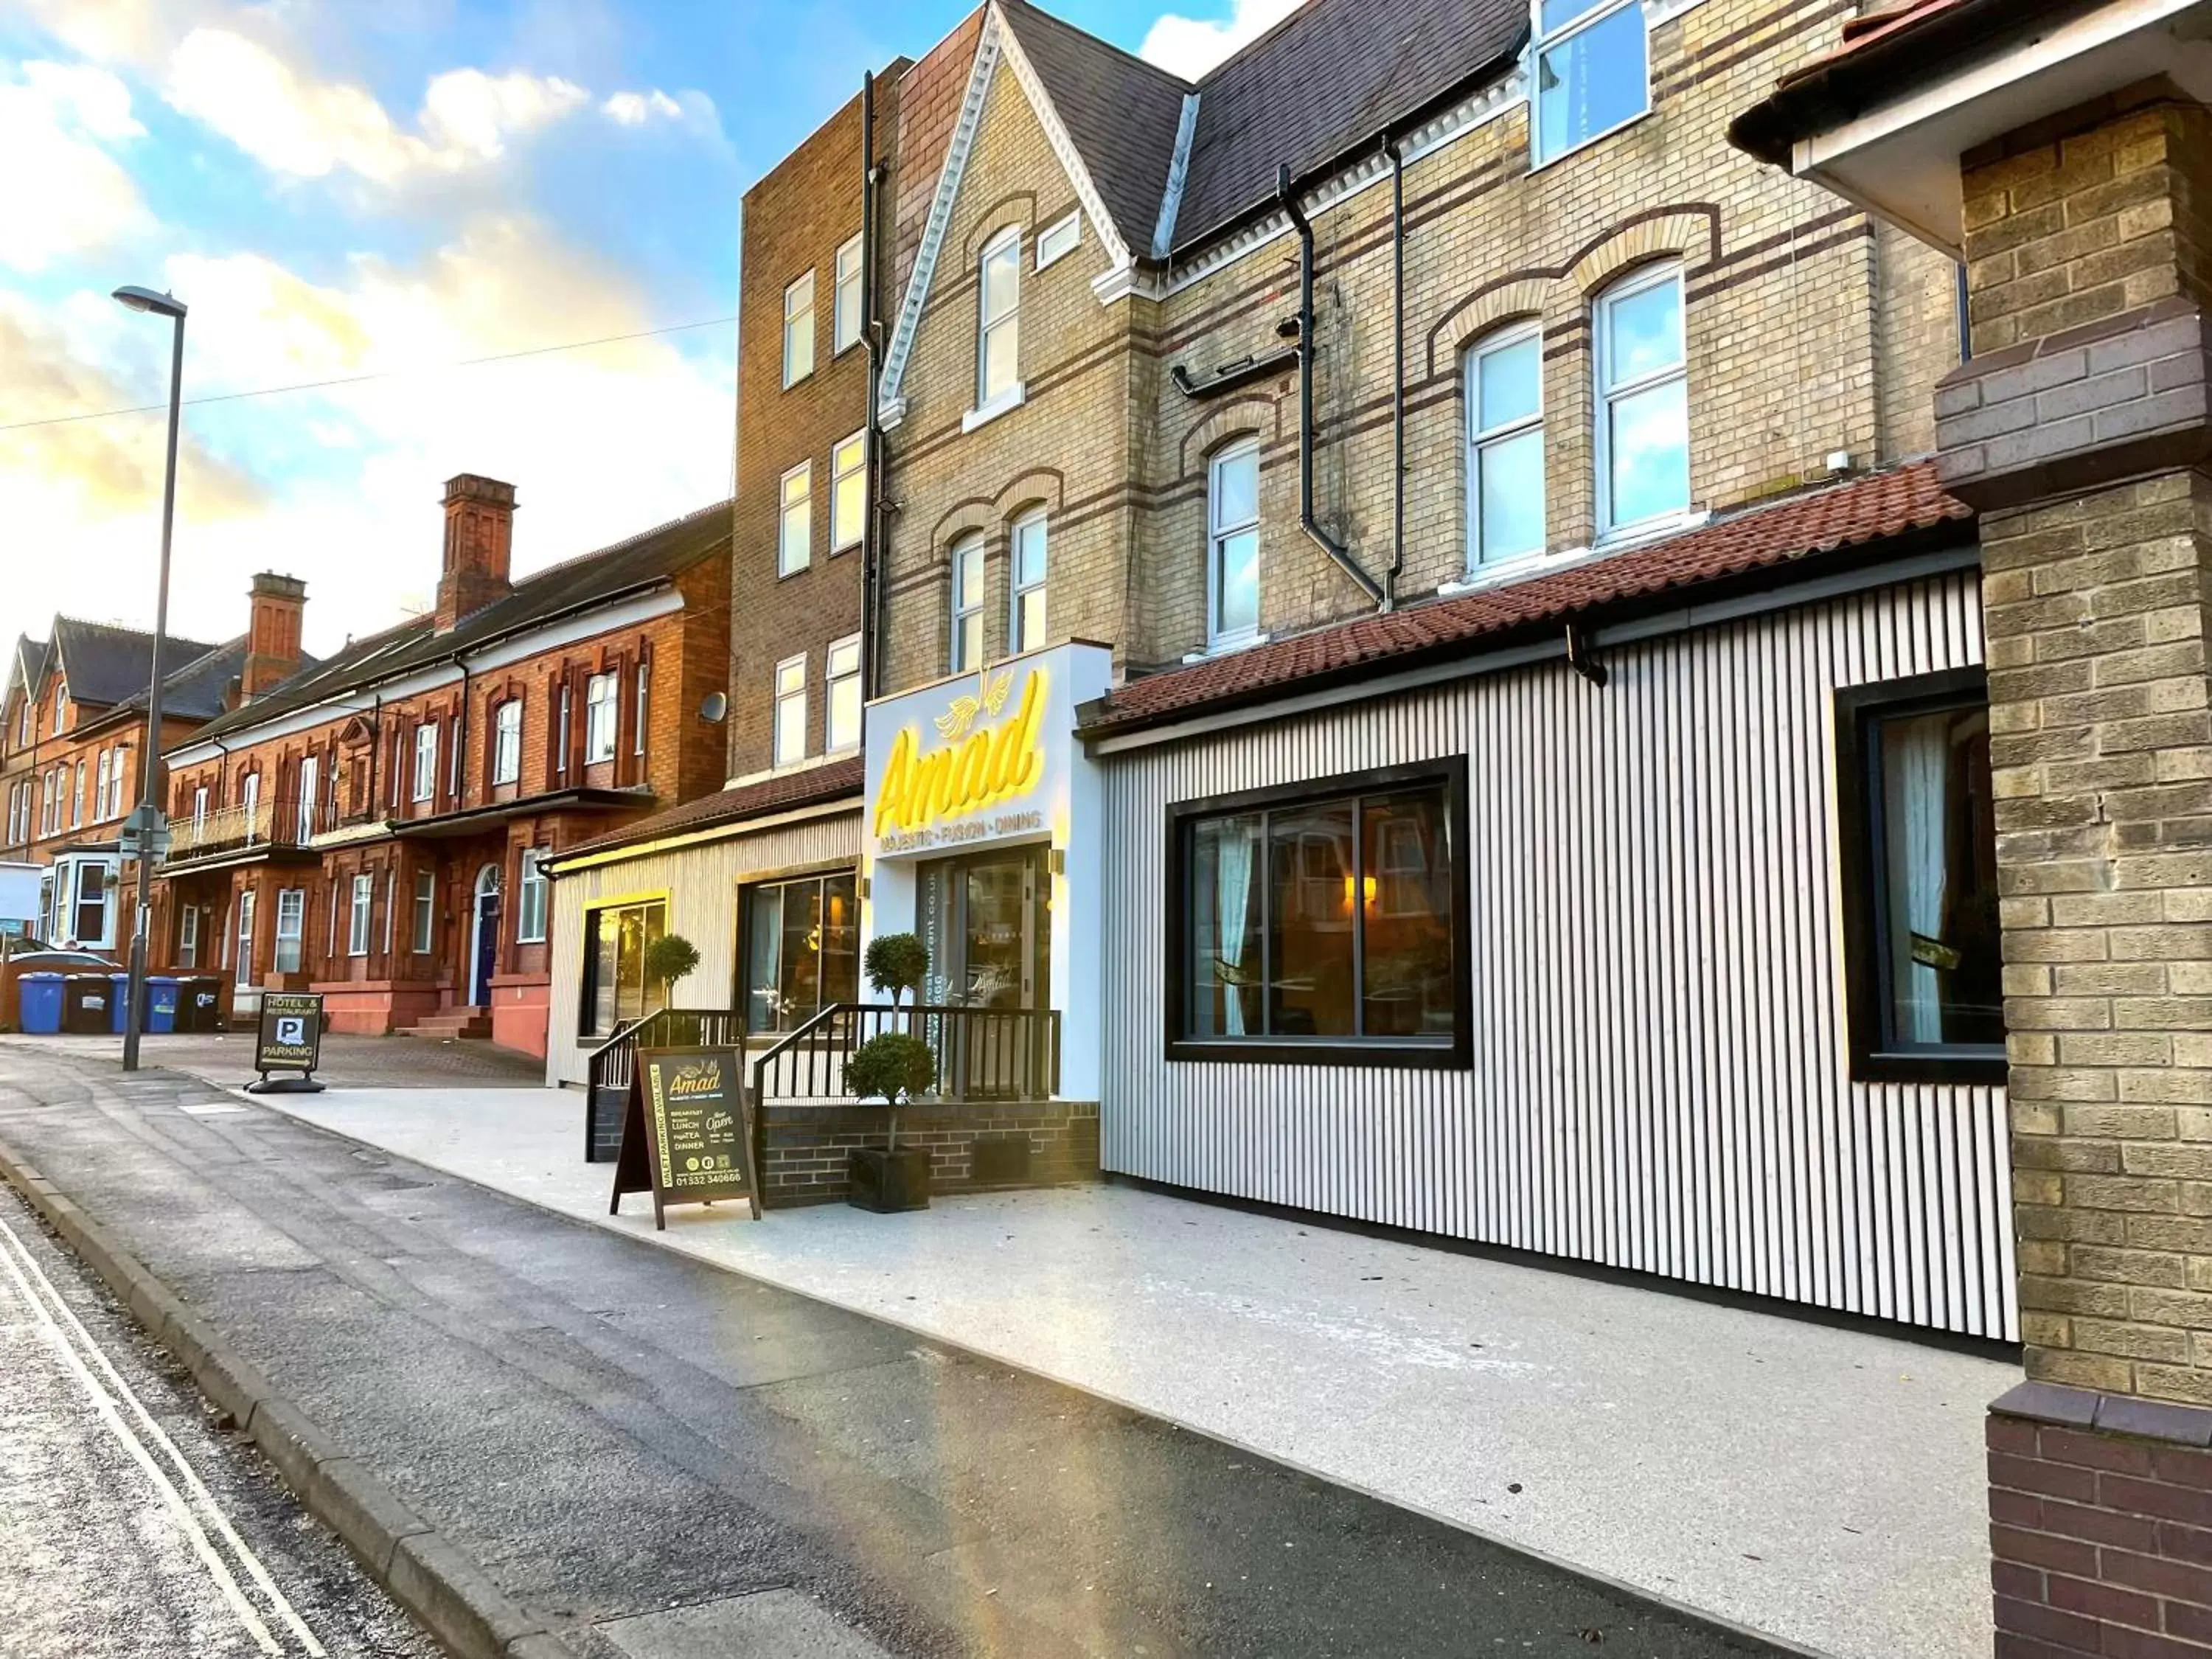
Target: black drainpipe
[(1397, 373), (871, 582), (1328, 543)]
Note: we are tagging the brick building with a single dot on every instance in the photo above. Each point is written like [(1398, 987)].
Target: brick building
[(73, 751), (2061, 151), (373, 828), (1421, 643)]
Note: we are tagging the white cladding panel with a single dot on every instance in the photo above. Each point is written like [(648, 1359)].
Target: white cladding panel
[(702, 883), (1661, 1077)]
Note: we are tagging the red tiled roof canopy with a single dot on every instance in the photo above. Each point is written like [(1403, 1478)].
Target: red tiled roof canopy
[(785, 791), (1868, 510)]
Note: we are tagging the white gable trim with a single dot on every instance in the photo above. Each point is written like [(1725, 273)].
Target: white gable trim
[(997, 41)]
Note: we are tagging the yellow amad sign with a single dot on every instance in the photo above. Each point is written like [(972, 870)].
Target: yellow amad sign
[(975, 768)]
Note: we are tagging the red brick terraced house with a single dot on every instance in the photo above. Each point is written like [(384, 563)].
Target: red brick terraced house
[(71, 754), (373, 828)]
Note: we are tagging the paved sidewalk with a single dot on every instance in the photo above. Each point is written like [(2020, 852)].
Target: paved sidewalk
[(1823, 1485), (657, 1458), (349, 1062)]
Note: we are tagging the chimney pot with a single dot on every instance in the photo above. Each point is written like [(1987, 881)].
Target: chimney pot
[(275, 607), (479, 543)]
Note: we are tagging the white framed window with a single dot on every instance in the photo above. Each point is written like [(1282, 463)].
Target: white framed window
[(845, 319), (507, 742), (93, 912), (391, 903), (1506, 445), (790, 710), (453, 758), (1232, 546), (644, 704), (248, 902), (426, 760), (426, 911), (794, 524), (188, 936), (199, 808), (1593, 71), (530, 913), (1643, 401), (841, 669), (1025, 625), (965, 650), (848, 492), (799, 330), (602, 703), (357, 919), (291, 926), (102, 767), (249, 801), (561, 754), (1056, 242), (310, 778), (998, 323)]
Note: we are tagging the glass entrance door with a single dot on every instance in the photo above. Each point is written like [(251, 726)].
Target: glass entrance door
[(988, 922)]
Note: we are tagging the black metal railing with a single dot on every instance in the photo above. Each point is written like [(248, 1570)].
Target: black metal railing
[(982, 1054), (612, 1066)]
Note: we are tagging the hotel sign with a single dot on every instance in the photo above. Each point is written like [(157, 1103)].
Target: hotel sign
[(983, 758)]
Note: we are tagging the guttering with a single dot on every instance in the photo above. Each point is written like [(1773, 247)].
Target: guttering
[(1397, 155), (1289, 200), (871, 342)]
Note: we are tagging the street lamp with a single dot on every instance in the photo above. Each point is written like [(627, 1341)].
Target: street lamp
[(160, 304)]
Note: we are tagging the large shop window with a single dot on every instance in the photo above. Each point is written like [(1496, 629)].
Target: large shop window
[(802, 949), (1644, 397), (1323, 924), (1593, 71), (1922, 950), (615, 987), (1506, 445)]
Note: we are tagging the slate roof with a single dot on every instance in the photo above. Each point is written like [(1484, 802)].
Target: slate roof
[(1122, 112), (1862, 514), (785, 791), (640, 562), (106, 664), (1332, 75), (28, 667)]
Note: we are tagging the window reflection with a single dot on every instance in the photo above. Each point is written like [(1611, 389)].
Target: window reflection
[(802, 950)]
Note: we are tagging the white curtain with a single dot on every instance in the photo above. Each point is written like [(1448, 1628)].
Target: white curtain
[(1915, 772), (1233, 875)]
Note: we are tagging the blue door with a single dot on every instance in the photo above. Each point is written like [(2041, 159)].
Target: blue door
[(487, 960)]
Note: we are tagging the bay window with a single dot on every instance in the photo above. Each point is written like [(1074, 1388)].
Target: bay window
[(93, 905), (1506, 445), (1324, 923), (1643, 401), (801, 949), (1921, 947), (1593, 71)]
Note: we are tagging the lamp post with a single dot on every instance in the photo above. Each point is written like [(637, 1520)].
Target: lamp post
[(160, 304)]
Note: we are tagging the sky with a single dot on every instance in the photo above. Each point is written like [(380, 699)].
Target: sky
[(365, 198)]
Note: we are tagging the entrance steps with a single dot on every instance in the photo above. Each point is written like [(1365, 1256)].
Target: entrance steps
[(473, 1024)]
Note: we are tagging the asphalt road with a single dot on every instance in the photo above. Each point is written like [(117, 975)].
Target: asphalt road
[(660, 1459), (130, 1524), (349, 1062)]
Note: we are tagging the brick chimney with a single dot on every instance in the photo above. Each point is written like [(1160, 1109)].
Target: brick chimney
[(275, 605), (479, 538)]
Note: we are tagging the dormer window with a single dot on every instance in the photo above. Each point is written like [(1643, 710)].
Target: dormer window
[(1593, 72)]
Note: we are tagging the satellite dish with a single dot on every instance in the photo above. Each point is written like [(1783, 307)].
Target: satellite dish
[(716, 708)]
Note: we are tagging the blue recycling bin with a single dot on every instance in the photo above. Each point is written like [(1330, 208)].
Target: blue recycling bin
[(119, 1006), (162, 991), (39, 1003)]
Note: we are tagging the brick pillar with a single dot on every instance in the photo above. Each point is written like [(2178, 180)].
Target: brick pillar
[(2080, 430), (276, 606), (479, 543)]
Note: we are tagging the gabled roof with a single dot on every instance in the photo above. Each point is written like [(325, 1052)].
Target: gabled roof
[(782, 791), (641, 563), (28, 667), (1883, 508), (1332, 75), (1120, 112), (104, 664)]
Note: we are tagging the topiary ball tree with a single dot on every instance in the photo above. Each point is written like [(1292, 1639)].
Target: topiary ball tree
[(669, 958), (897, 962), (892, 1067)]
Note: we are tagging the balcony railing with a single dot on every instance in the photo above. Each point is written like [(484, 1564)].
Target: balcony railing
[(271, 824)]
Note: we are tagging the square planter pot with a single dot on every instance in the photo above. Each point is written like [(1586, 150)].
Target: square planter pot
[(888, 1182)]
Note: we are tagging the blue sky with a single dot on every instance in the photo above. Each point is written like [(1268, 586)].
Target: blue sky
[(385, 189)]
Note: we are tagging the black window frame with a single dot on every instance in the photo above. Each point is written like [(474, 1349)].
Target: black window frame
[(1408, 1053), (748, 890), (587, 978), (1864, 877)]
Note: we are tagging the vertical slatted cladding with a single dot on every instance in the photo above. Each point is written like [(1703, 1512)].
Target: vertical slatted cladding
[(1661, 1077)]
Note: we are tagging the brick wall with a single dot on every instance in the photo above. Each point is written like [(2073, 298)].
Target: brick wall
[(809, 1147)]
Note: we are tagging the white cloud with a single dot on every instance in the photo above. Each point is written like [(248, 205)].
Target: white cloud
[(295, 125), (635, 109), (1189, 46), (600, 442), (61, 192)]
